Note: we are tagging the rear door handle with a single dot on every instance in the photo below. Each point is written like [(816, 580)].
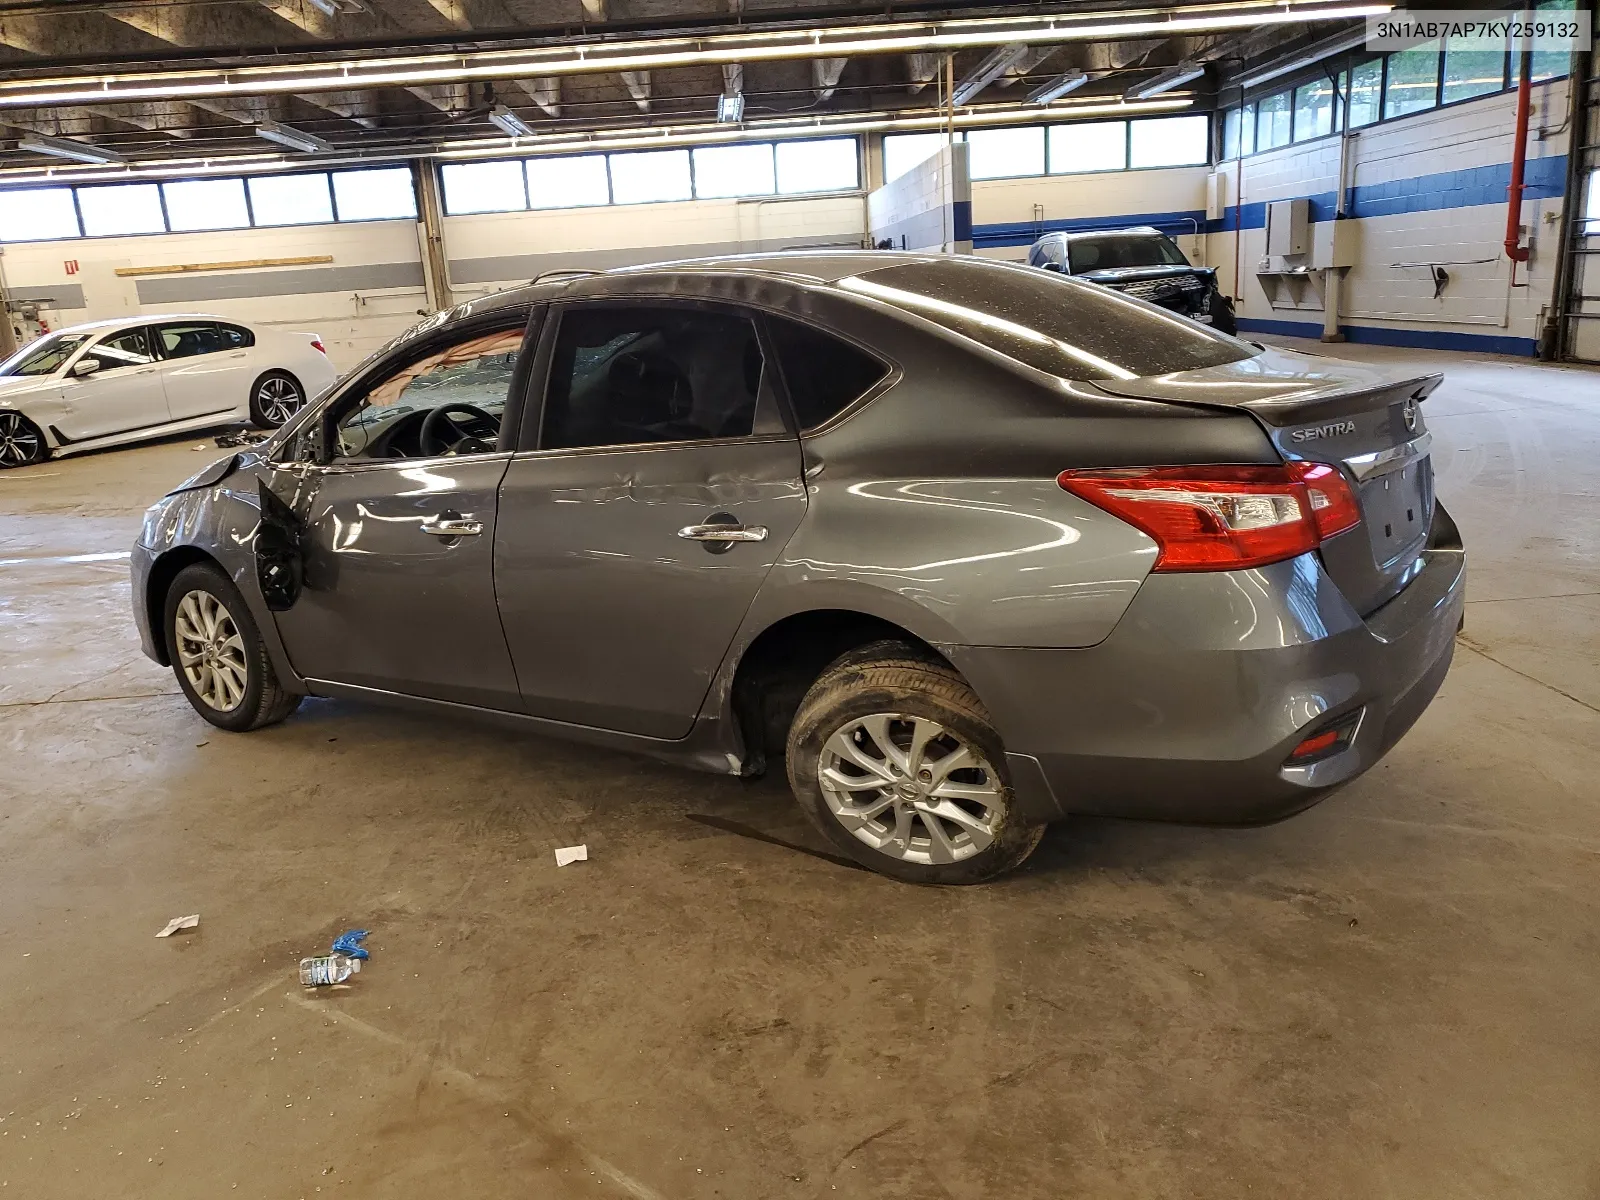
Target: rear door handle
[(452, 527), (724, 533)]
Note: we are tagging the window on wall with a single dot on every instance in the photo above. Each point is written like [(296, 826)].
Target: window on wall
[(1169, 142), (1366, 92), (200, 204), (121, 209), (1412, 81), (1096, 146), (1313, 110), (1272, 122), (1006, 153), (568, 182), (37, 214), (1591, 207), (649, 176), (1247, 129), (825, 165), (1547, 64), (483, 187), (291, 200), (1469, 73), (1230, 134), (902, 151), (382, 194), (723, 171)]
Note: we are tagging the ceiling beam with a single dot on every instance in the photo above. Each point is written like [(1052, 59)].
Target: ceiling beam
[(546, 93), (825, 74), (923, 69), (638, 85)]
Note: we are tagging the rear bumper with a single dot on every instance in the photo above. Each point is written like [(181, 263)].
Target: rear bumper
[(1188, 711)]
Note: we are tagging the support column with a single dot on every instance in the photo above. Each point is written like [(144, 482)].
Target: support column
[(8, 336), (430, 236)]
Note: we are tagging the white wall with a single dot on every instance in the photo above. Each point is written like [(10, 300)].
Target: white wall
[(493, 251), (1429, 188)]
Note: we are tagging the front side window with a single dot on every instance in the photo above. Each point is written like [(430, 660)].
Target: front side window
[(185, 339), (629, 374), (130, 348), (1113, 253), (1064, 327), (449, 401), (44, 357), (824, 375)]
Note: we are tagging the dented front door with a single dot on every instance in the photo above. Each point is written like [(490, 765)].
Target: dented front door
[(624, 573), (381, 575)]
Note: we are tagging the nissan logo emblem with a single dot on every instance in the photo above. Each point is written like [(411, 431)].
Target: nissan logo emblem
[(1408, 414)]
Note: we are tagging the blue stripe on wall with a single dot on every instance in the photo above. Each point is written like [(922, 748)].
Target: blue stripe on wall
[(1421, 339), (1543, 178)]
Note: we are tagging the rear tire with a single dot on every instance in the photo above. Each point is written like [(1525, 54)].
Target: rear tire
[(218, 655), (22, 442), (933, 805), (274, 398)]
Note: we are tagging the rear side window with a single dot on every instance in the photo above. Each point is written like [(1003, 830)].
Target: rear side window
[(1064, 326), (823, 374), (633, 374), (235, 338), (189, 338)]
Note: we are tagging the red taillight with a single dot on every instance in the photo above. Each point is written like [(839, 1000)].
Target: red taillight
[(1224, 518), (316, 344)]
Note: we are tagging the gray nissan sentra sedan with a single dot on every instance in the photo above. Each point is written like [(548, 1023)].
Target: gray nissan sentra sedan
[(968, 546)]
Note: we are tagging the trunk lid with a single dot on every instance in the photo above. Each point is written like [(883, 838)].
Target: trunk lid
[(1365, 420)]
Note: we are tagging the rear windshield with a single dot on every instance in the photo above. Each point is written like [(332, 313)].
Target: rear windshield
[(1115, 251), (1069, 328)]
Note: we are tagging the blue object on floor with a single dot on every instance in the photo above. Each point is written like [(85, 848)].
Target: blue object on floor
[(350, 943)]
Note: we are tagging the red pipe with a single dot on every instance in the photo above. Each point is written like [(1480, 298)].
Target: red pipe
[(1519, 157)]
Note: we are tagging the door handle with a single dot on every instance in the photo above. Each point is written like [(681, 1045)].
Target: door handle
[(237, 354), (452, 527), (727, 534)]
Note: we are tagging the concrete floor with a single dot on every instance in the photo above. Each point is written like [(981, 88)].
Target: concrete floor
[(1396, 994)]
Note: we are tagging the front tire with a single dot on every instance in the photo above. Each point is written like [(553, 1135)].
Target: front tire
[(218, 655), (274, 398), (893, 758), (22, 443)]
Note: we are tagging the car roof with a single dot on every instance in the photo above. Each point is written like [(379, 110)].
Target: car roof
[(128, 322), (1125, 231)]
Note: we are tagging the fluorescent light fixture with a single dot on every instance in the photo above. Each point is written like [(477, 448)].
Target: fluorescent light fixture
[(1058, 87), (1170, 78), (988, 71), (510, 124), (743, 45), (730, 108), (295, 139), (68, 148), (1310, 56)]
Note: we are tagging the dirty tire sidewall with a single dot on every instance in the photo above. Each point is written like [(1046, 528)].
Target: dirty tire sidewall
[(893, 677), (265, 700)]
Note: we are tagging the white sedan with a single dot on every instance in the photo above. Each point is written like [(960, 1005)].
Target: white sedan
[(111, 382)]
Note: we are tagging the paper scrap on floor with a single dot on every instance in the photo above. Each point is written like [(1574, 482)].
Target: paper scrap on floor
[(177, 923), (571, 854)]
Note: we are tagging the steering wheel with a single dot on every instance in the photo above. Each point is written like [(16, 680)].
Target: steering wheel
[(431, 444)]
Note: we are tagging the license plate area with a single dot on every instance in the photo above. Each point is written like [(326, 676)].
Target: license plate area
[(1398, 508)]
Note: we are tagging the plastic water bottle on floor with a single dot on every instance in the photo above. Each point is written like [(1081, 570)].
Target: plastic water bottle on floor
[(328, 968)]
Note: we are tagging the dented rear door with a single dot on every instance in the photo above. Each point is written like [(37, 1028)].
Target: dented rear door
[(615, 619)]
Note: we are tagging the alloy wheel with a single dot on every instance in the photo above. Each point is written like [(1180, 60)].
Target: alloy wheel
[(910, 788), (20, 443), (210, 651), (278, 399)]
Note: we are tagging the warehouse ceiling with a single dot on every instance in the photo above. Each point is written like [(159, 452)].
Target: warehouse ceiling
[(74, 69)]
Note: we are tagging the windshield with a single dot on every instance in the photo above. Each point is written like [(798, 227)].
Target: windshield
[(1117, 250), (45, 356), (1057, 324)]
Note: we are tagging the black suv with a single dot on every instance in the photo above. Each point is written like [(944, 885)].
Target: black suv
[(1142, 262)]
